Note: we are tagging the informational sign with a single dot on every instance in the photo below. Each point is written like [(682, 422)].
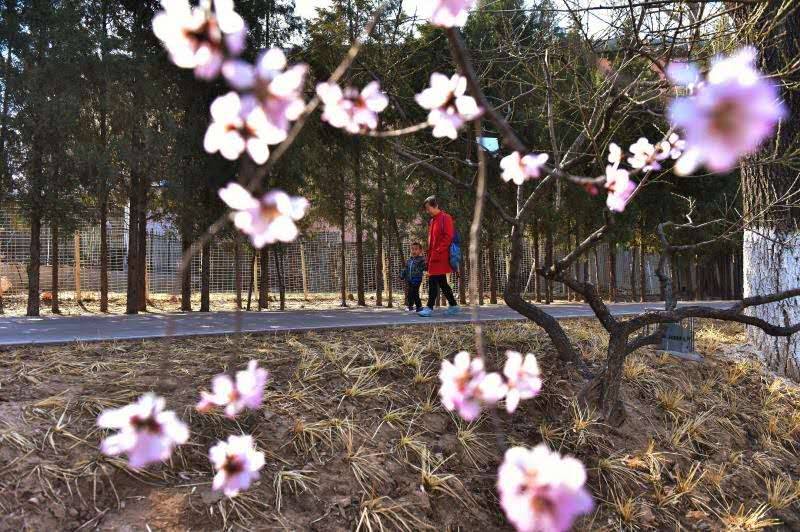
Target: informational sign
[(677, 338), (678, 341)]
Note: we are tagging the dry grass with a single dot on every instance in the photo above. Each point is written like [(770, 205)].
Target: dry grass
[(356, 439)]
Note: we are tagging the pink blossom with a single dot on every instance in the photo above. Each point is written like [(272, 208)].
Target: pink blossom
[(491, 388), (246, 392), (541, 491), (645, 156), (267, 220), (237, 464), (276, 88), (147, 433), (447, 13), (238, 124), (198, 38), (683, 74), (619, 186), (465, 385), (350, 109), (676, 146), (448, 104), (614, 153), (522, 378), (519, 169), (728, 115)]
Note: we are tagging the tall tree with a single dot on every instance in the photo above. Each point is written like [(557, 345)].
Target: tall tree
[(769, 187)]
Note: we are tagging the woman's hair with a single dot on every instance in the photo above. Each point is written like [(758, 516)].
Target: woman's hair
[(432, 201)]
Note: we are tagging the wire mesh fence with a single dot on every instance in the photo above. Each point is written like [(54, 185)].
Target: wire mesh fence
[(308, 267)]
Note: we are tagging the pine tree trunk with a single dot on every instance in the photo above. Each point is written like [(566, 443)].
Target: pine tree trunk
[(237, 269), (142, 271), (54, 285), (634, 297), (104, 255), (612, 272), (132, 296), (387, 274), (205, 278), (548, 262), (642, 266), (359, 227), (263, 281), (276, 257), (492, 273), (343, 263), (186, 277), (34, 265), (379, 257), (537, 285)]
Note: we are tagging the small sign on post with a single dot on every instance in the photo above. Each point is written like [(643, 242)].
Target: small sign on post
[(678, 339)]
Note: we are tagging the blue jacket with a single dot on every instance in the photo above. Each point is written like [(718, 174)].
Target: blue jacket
[(414, 270)]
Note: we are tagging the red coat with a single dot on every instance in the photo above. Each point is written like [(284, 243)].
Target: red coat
[(440, 234)]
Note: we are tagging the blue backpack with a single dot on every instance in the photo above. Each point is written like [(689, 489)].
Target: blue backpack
[(455, 251)]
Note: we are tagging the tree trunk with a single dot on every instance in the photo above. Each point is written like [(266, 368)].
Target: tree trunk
[(772, 243), (690, 278), (5, 177), (604, 390), (400, 255), (186, 277), (634, 297), (358, 227), (642, 266), (54, 285), (480, 267), (537, 283), (462, 285), (379, 256), (276, 257), (263, 281), (104, 255), (548, 262), (597, 269), (492, 273), (132, 296), (34, 265), (513, 299), (612, 272), (387, 274), (205, 278), (237, 269), (343, 265), (142, 271)]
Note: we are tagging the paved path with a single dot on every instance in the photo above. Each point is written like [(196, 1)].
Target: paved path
[(62, 329)]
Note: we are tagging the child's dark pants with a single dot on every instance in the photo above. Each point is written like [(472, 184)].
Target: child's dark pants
[(412, 298)]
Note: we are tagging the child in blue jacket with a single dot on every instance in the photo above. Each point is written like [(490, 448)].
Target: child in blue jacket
[(413, 274)]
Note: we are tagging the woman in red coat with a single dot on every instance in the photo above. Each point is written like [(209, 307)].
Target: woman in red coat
[(441, 232)]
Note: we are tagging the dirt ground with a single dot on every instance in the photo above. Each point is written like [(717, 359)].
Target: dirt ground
[(355, 437)]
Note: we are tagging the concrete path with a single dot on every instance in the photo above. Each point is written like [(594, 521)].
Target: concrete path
[(62, 329)]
